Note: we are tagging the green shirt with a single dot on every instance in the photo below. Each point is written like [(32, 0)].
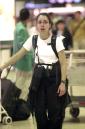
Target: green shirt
[(20, 36)]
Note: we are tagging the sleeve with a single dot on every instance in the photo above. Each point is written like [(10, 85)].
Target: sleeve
[(28, 44), (59, 43), (22, 37)]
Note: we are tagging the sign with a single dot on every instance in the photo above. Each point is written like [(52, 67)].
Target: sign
[(7, 21)]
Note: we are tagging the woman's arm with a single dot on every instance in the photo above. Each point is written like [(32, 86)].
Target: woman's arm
[(62, 58), (14, 58)]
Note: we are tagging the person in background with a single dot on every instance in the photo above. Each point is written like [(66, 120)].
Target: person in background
[(49, 74), (23, 67), (32, 30), (61, 29), (77, 27)]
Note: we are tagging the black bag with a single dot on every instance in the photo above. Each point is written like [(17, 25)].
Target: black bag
[(15, 107), (21, 111), (9, 95)]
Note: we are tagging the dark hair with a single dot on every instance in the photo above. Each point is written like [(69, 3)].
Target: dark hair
[(60, 21), (24, 14), (79, 12), (45, 14)]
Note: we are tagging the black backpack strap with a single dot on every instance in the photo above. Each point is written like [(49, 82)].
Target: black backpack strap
[(53, 44), (34, 41), (34, 44)]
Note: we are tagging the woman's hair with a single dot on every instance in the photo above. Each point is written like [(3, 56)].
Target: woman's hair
[(45, 14), (24, 14), (60, 21)]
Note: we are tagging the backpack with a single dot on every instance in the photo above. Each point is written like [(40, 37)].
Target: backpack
[(53, 43)]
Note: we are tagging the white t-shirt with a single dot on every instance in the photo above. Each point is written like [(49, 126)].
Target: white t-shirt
[(45, 51)]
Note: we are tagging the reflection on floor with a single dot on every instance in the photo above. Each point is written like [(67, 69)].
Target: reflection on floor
[(77, 82), (69, 122)]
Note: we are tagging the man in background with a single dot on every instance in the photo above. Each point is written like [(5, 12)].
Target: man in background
[(23, 67), (77, 28)]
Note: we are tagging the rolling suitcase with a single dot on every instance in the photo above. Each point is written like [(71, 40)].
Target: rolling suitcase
[(22, 111), (16, 108), (9, 95)]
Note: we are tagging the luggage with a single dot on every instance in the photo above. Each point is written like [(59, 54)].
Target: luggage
[(9, 95), (22, 111), (16, 108)]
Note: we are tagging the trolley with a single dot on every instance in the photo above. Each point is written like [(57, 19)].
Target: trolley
[(76, 75), (4, 117)]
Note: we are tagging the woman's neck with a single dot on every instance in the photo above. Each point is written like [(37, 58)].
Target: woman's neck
[(44, 36)]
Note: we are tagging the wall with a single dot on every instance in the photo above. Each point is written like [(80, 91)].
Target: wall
[(18, 6)]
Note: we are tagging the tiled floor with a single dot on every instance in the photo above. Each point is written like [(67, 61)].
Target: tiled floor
[(69, 122)]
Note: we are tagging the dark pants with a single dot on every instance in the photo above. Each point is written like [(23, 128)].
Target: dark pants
[(49, 110)]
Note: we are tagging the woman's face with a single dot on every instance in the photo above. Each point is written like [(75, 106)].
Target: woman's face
[(61, 26), (43, 25)]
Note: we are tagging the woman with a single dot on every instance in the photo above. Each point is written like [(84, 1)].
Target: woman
[(50, 98), (61, 29)]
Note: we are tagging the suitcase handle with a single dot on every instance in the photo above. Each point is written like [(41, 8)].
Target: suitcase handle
[(8, 70)]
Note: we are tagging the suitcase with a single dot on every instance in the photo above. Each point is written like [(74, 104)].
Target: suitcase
[(9, 95), (16, 108), (22, 111)]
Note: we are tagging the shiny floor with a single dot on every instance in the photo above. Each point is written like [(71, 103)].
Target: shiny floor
[(69, 122), (77, 84)]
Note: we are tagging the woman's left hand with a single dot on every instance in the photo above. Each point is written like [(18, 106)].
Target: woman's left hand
[(62, 89)]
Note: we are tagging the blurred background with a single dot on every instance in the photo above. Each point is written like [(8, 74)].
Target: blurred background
[(71, 12), (57, 9)]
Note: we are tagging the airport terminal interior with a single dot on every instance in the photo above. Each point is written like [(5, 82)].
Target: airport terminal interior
[(69, 123), (58, 10)]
